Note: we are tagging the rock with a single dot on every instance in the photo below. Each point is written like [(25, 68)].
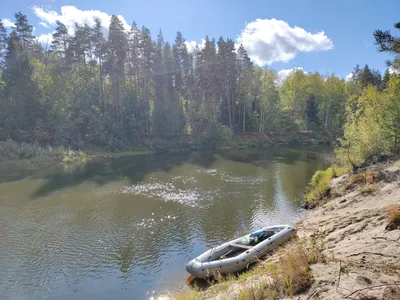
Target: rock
[(391, 293)]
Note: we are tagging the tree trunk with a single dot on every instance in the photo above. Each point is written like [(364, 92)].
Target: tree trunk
[(229, 111), (244, 116), (326, 115), (101, 84)]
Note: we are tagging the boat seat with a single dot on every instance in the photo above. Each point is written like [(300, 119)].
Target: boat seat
[(241, 246)]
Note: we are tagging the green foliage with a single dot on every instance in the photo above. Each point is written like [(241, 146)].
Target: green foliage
[(11, 151), (115, 91), (71, 156), (217, 133), (386, 42), (319, 187), (372, 127)]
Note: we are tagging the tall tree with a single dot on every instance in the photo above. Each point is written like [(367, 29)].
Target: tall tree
[(245, 69), (134, 54), (293, 95), (3, 38), (385, 79), (269, 100), (82, 44), (117, 45), (159, 89), (23, 29), (100, 52), (61, 43), (21, 93), (332, 113), (146, 52)]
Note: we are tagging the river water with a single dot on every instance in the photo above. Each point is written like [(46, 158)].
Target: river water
[(124, 228)]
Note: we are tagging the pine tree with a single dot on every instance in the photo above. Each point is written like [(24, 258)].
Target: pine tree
[(99, 51), (118, 47), (134, 53), (182, 65), (3, 38), (146, 52), (23, 30), (82, 44), (386, 42), (245, 74), (366, 77), (175, 118), (385, 79), (159, 75), (21, 93), (61, 44)]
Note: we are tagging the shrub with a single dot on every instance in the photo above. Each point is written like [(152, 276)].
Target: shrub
[(319, 187), (363, 178), (367, 189), (257, 291), (11, 151), (393, 215)]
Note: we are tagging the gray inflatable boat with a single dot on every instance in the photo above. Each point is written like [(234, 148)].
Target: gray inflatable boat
[(238, 254)]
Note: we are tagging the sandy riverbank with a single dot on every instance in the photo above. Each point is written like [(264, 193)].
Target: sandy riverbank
[(360, 245)]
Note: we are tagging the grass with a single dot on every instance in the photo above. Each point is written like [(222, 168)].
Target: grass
[(186, 295), (256, 291), (319, 188), (393, 215), (71, 156), (368, 189), (286, 277), (361, 178), (365, 182), (11, 151)]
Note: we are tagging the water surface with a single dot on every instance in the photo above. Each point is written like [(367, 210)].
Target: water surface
[(124, 228)]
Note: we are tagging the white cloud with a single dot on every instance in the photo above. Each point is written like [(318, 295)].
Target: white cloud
[(70, 15), (45, 25), (283, 74), (394, 71), (349, 77), (45, 38), (271, 40), (192, 45), (8, 23)]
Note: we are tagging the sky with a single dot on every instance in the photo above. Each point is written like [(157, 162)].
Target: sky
[(324, 36)]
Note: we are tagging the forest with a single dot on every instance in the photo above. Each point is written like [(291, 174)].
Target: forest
[(110, 90)]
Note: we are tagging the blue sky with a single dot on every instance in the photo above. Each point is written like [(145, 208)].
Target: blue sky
[(282, 34)]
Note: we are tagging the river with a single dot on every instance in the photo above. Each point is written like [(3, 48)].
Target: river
[(124, 228)]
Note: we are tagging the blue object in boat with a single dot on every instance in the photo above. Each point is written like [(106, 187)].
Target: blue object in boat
[(257, 233)]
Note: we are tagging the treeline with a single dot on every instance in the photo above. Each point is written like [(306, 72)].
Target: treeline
[(91, 89), (372, 127)]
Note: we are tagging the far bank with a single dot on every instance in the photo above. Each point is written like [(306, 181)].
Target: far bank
[(36, 154)]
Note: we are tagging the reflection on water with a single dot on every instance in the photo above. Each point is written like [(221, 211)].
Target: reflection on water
[(125, 227)]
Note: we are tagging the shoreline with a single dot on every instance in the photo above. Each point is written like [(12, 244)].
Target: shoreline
[(357, 240), (33, 155)]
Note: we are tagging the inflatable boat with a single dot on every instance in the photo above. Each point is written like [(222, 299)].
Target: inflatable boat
[(238, 254)]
